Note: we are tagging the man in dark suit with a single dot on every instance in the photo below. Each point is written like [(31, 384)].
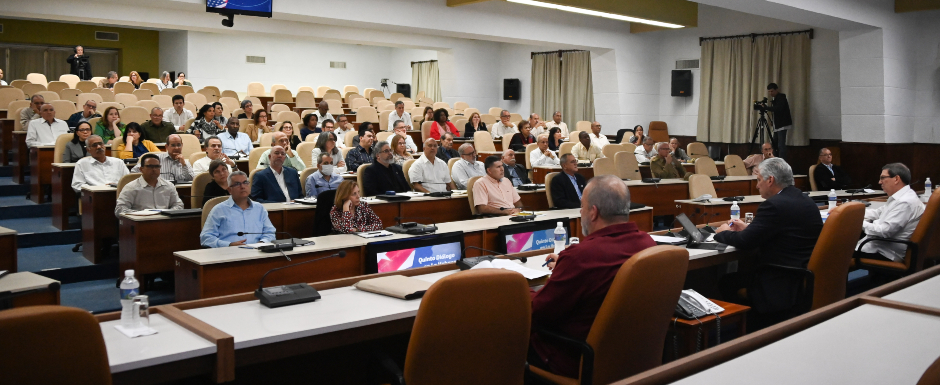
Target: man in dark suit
[(276, 183), (513, 171), (783, 122), (383, 175), (829, 176), (568, 186), (784, 232), (446, 151)]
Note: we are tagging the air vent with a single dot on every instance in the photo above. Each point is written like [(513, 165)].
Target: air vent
[(338, 64), (110, 36), (686, 64), (254, 59)]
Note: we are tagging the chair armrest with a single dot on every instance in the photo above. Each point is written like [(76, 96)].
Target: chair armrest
[(587, 352), (389, 365), (911, 245)]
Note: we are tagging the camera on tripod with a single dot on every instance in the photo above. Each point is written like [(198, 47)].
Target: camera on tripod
[(760, 105)]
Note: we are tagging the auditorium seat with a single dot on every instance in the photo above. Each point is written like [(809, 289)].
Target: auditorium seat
[(86, 86), (128, 178), (196, 99), (812, 180), (924, 244), (706, 166), (63, 108), (582, 125), (71, 80), (8, 95), (85, 97), (565, 148), (199, 184), (305, 150), (701, 184), (70, 94), (185, 90), (127, 100), (303, 178), (255, 156), (659, 131), (210, 205), (627, 166), (56, 86), (124, 88), (483, 141), (832, 255), (734, 166), (37, 78), (696, 150), (143, 94), (407, 167), (611, 149), (605, 166), (32, 89), (470, 182), (59, 149), (283, 96)]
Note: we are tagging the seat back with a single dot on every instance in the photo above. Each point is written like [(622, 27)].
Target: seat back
[(483, 141), (125, 180), (19, 83), (229, 94), (164, 101), (932, 375), (199, 188), (56, 86), (265, 139), (696, 150), (63, 108), (506, 140), (33, 89), (367, 114), (701, 184), (659, 131), (70, 79), (407, 167), (927, 234), (488, 119), (154, 90), (470, 182), (306, 99), (706, 166), (283, 96), (643, 295), (86, 86), (60, 143), (209, 206), (256, 89), (605, 166), (565, 148), (211, 95), (143, 94), (196, 156), (303, 178), (627, 166), (322, 225), (66, 336), (136, 114), (170, 92), (196, 99), (106, 94), (37, 78), (734, 166), (426, 131), (185, 90), (833, 253), (359, 181), (291, 116), (48, 96), (124, 88), (191, 145), (583, 125), (255, 156), (383, 136), (86, 96), (812, 181), (305, 151), (70, 94), (350, 89), (611, 149), (496, 304), (548, 188), (528, 150), (11, 94)]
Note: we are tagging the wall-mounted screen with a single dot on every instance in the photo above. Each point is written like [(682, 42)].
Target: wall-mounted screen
[(240, 7)]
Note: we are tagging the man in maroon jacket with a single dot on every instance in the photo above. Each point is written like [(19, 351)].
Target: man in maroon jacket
[(582, 274)]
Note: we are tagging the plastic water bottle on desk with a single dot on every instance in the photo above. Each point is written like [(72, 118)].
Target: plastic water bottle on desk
[(560, 238), (928, 189), (832, 199), (130, 288), (735, 211)]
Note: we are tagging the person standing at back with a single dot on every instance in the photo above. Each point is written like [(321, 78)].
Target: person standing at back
[(783, 122), (79, 64)]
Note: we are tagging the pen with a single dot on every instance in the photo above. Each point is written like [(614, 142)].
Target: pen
[(547, 261)]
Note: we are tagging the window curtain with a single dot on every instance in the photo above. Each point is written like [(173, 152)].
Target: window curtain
[(563, 84), (546, 85), (735, 72), (425, 76), (24, 61)]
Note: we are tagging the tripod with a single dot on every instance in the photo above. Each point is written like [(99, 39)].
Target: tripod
[(762, 126)]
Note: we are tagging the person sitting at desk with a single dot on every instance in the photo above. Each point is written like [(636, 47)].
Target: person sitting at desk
[(234, 215), (664, 165), (646, 152), (513, 171), (326, 142), (585, 150), (329, 126), (135, 143), (467, 167), (599, 140), (554, 139), (322, 179), (361, 153), (557, 123), (205, 124), (536, 125), (829, 176), (677, 152), (178, 116), (213, 152), (323, 113), (276, 183), (473, 125), (400, 153), (110, 125), (32, 113), (218, 186), (293, 158), (350, 214), (87, 113), (150, 191), (446, 151), (45, 130), (363, 127), (543, 157), (568, 187), (383, 175), (493, 194), (311, 126), (75, 149), (399, 114), (637, 138), (399, 130), (174, 166), (97, 169), (288, 129), (897, 219), (429, 174), (248, 110), (441, 125), (157, 129), (235, 143), (784, 231), (767, 152), (581, 276), (503, 127), (522, 138)]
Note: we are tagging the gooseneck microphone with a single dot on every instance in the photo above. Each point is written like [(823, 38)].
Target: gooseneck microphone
[(274, 247), (285, 295), (413, 228)]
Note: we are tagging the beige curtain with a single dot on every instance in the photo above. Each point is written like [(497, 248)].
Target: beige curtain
[(735, 73), (577, 87), (24, 61), (425, 76), (546, 85)]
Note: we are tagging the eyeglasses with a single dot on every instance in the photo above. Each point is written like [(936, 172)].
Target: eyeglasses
[(237, 184), (174, 145), (470, 154), (84, 130), (97, 144), (386, 151), (883, 177), (152, 166)]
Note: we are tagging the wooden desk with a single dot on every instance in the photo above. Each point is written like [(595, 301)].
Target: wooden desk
[(520, 159), (20, 157), (688, 331), (702, 212), (40, 172), (8, 249), (6, 139), (539, 173), (242, 165), (28, 289), (689, 167), (63, 197)]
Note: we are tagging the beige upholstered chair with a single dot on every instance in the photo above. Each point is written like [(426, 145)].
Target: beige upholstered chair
[(706, 166), (627, 166), (696, 150), (701, 184), (199, 188), (734, 166), (210, 205)]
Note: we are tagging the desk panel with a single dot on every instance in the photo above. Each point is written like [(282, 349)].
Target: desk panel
[(64, 199), (6, 140), (538, 173), (20, 157), (8, 249), (443, 210)]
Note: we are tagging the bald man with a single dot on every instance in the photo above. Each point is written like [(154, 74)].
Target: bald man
[(428, 173), (323, 113), (46, 129)]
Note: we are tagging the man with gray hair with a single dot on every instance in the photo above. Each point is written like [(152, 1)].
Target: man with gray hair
[(467, 167), (897, 219), (237, 214), (158, 129), (503, 127), (583, 273), (87, 113), (46, 130), (32, 112), (383, 175), (97, 169), (784, 231), (322, 179), (399, 114)]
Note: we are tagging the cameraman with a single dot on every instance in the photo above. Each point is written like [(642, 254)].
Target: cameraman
[(79, 64), (782, 120)]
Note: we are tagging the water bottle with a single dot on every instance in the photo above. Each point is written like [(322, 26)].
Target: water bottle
[(928, 187), (832, 199), (130, 288), (560, 238), (735, 211)]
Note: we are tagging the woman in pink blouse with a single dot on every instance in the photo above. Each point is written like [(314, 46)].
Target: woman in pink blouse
[(350, 214), (441, 125)]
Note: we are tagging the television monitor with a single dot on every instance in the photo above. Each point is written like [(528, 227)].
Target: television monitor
[(409, 253), (538, 235), (240, 7)]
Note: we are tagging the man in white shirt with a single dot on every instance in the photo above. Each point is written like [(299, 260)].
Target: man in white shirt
[(556, 122), (467, 167), (323, 113), (2, 82), (178, 115), (503, 126), (645, 152), (399, 129), (46, 129), (599, 140), (543, 157), (897, 219), (399, 114), (329, 126), (429, 174), (537, 125), (97, 169), (234, 142), (213, 152)]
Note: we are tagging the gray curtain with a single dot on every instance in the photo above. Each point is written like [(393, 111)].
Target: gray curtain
[(577, 88), (24, 61), (546, 85), (426, 77)]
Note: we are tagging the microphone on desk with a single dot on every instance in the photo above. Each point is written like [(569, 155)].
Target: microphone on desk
[(708, 228), (285, 295), (520, 218), (275, 247), (467, 263), (412, 228), (238, 153)]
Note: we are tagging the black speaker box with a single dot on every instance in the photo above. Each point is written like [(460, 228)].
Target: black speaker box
[(404, 89), (681, 83), (511, 89)]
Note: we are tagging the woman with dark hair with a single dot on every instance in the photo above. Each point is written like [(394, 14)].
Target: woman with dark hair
[(135, 143), (350, 214), (288, 128), (310, 125), (205, 124), (181, 80), (441, 125), (428, 117), (218, 113), (136, 79), (326, 142), (473, 125), (638, 138), (554, 139), (522, 138), (260, 125), (219, 185), (363, 127), (75, 148)]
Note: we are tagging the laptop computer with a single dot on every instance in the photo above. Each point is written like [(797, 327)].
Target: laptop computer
[(696, 238)]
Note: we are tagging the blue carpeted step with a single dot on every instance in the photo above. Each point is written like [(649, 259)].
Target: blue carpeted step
[(6, 171), (18, 207), (59, 237), (8, 188)]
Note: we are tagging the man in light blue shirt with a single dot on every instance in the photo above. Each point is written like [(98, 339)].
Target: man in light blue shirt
[(237, 214), (322, 179), (234, 142)]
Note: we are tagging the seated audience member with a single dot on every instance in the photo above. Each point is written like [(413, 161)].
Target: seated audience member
[(173, 167), (2, 82), (537, 126), (322, 179), (493, 194), (247, 110), (46, 129), (585, 150), (677, 152), (311, 126), (428, 116), (350, 214), (110, 126), (276, 184), (205, 124), (323, 113), (784, 231), (362, 153), (219, 114), (157, 129), (342, 123), (665, 166), (135, 79), (165, 81), (897, 219), (259, 127), (75, 149), (637, 138), (326, 142), (442, 125), (554, 139), (293, 158), (213, 152), (329, 126), (581, 275), (399, 129), (467, 167), (767, 152), (429, 174), (543, 157), (135, 143), (109, 81), (568, 187), (829, 176), (646, 152), (446, 151), (400, 153), (516, 173), (473, 125), (288, 129), (363, 127), (383, 175), (503, 127), (235, 143), (237, 214), (218, 187), (177, 116), (523, 138), (399, 114), (181, 80), (599, 140), (97, 169), (88, 112), (150, 191), (557, 123), (32, 113)]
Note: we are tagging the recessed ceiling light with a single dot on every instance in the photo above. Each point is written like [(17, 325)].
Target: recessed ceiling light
[(596, 13)]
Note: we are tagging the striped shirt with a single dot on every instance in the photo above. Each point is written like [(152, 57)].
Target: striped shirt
[(172, 170)]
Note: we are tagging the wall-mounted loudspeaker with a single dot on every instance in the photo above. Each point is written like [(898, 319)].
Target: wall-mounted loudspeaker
[(681, 83), (404, 89), (511, 89)]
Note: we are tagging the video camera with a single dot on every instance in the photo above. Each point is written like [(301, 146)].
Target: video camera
[(760, 105)]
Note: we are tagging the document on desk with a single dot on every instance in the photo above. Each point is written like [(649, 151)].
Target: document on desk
[(144, 213), (507, 264), (397, 286), (255, 245), (375, 234), (668, 240)]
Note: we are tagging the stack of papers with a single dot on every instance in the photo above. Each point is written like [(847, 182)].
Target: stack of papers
[(375, 234), (507, 264), (668, 240), (145, 212), (307, 200)]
